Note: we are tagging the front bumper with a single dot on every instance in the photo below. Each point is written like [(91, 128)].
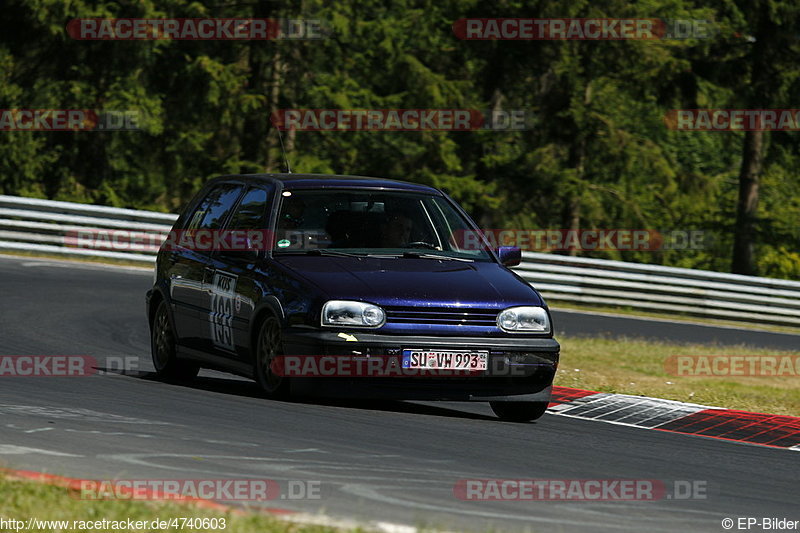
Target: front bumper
[(519, 368)]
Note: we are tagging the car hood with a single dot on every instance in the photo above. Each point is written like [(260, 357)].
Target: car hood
[(412, 281)]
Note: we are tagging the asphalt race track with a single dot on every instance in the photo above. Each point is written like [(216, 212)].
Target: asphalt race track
[(610, 325), (391, 462)]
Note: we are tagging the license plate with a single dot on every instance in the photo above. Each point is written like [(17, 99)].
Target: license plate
[(445, 359)]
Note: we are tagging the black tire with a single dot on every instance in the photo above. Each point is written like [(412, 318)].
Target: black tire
[(268, 344), (162, 347), (518, 411)]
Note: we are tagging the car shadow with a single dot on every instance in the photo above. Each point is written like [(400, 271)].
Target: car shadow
[(236, 386)]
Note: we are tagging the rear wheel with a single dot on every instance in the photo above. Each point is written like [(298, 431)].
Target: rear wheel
[(162, 346), (269, 345), (518, 411)]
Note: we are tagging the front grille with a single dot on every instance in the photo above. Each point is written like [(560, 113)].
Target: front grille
[(442, 316)]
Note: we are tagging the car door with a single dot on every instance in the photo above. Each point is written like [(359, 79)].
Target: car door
[(190, 259), (230, 275)]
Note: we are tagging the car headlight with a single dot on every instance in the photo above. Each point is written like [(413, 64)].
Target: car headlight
[(352, 314), (523, 320)]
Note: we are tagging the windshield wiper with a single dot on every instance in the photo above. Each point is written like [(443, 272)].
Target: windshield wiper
[(426, 255), (317, 251), (337, 253)]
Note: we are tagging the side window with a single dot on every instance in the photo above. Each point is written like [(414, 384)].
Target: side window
[(252, 211), (212, 211)]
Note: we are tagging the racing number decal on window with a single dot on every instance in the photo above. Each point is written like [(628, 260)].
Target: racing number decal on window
[(223, 292)]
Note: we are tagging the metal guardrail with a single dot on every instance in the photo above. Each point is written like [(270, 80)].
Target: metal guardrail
[(663, 289), (48, 227), (43, 226)]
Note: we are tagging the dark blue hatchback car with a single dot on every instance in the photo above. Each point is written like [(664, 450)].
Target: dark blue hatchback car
[(348, 286)]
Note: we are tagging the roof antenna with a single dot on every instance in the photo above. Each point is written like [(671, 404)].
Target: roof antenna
[(283, 151)]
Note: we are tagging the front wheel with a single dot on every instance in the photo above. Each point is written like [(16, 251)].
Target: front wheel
[(162, 347), (268, 346), (518, 411)]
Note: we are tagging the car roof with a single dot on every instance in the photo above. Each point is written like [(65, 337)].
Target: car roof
[(323, 181)]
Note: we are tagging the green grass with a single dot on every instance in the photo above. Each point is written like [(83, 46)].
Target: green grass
[(25, 499), (629, 366)]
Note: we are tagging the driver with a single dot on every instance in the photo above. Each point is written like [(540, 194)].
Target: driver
[(396, 230)]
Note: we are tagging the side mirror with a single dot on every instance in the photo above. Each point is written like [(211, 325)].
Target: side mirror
[(251, 256), (509, 255), (253, 252)]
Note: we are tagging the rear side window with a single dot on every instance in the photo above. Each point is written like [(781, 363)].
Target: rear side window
[(252, 211), (214, 208)]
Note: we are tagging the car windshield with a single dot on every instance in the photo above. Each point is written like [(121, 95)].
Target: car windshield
[(374, 222)]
